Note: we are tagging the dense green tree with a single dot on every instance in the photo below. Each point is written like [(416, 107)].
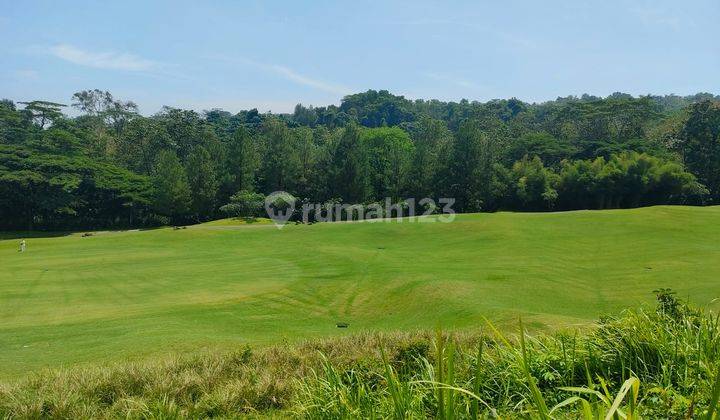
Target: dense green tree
[(45, 189), (184, 128), (472, 171), (14, 128), (390, 153), (244, 203), (349, 178), (332, 117), (666, 133), (618, 151), (93, 101), (580, 183), (305, 115), (103, 106), (61, 141), (700, 145), (279, 169), (307, 151), (625, 180), (203, 183), (430, 157), (532, 185), (172, 191), (242, 161), (378, 108), (616, 118), (543, 145), (136, 147), (43, 113)]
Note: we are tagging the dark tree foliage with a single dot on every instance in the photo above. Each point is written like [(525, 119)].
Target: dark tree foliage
[(112, 167), (245, 204), (40, 189), (43, 112), (390, 152), (170, 187), (432, 144), (15, 127), (700, 144), (241, 163), (279, 163), (349, 170), (203, 183), (473, 170), (377, 108)]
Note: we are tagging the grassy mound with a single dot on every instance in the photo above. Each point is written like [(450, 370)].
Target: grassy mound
[(647, 363), (235, 221)]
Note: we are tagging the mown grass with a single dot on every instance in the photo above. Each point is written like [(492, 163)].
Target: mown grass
[(643, 363), (129, 295)]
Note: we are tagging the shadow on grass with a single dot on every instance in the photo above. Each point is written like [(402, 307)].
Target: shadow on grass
[(143, 229), (56, 234), (9, 235), (32, 234)]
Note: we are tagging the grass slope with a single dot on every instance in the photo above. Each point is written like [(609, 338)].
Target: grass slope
[(75, 299)]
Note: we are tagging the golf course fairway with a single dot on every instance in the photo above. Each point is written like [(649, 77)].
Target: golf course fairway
[(71, 299)]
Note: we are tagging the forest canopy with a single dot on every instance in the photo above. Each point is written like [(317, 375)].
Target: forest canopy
[(112, 167)]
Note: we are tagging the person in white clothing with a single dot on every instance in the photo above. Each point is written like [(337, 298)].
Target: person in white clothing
[(23, 245)]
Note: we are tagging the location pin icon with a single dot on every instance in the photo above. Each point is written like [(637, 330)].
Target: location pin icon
[(273, 204)]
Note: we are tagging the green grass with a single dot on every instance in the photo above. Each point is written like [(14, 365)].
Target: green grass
[(645, 363), (73, 299)]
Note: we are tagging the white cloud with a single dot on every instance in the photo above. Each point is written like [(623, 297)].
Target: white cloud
[(293, 76), (102, 60), (289, 74)]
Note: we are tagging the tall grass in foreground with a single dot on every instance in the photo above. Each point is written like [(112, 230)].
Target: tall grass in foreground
[(661, 364), (643, 363)]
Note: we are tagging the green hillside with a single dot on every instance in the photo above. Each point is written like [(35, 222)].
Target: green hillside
[(73, 299)]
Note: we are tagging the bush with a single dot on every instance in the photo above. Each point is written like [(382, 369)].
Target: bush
[(246, 204)]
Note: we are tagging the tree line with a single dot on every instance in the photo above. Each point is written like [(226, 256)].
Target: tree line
[(112, 167)]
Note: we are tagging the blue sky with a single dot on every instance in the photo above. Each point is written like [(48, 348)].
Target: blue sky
[(271, 55)]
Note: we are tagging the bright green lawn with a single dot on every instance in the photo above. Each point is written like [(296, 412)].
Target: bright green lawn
[(72, 299)]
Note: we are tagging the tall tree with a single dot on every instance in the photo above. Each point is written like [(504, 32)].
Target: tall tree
[(378, 108), (307, 151), (172, 192), (43, 112), (305, 116), (279, 170), (349, 168), (14, 129), (136, 147), (203, 183), (477, 148), (185, 129), (543, 145), (700, 145), (430, 156), (104, 107), (533, 186), (389, 151), (242, 161)]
